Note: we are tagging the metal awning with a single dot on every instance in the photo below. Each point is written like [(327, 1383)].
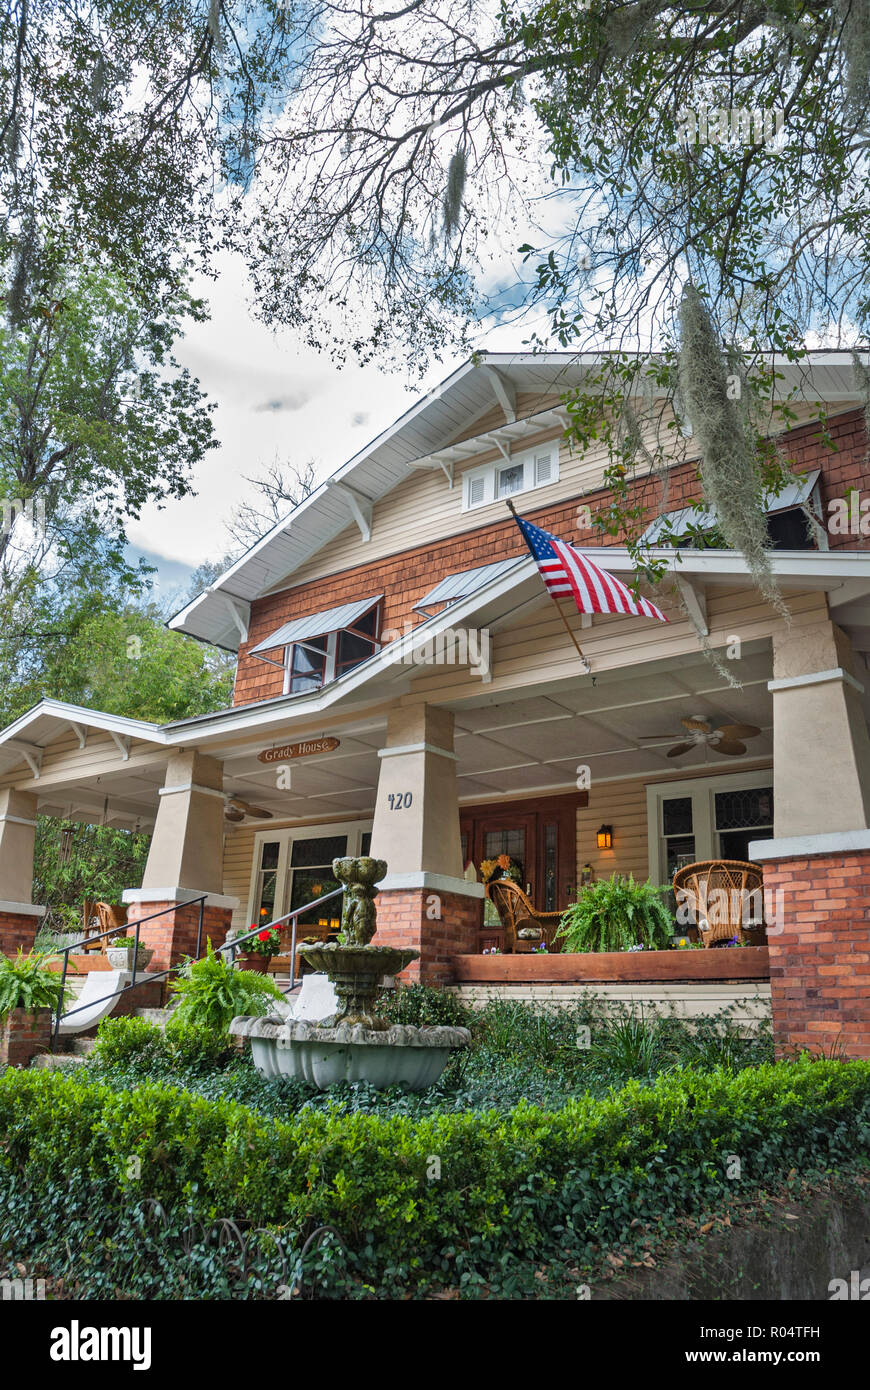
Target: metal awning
[(317, 624), (794, 494), (466, 582)]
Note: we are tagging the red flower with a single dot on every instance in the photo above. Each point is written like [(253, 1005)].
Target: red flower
[(264, 935)]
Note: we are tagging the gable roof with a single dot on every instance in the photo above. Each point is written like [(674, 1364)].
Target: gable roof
[(221, 614)]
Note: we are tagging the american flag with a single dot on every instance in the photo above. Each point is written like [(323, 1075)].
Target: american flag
[(568, 572)]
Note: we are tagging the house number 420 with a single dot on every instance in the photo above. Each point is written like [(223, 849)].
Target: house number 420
[(400, 801)]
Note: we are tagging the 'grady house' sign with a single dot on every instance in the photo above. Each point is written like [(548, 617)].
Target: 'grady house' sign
[(304, 749)]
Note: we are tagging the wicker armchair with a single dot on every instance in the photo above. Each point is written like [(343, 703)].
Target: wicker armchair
[(717, 890), (517, 912), (112, 916)]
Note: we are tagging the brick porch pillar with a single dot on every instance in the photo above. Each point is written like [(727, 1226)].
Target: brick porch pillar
[(424, 902), (20, 917), (817, 869), (817, 888), (185, 860)]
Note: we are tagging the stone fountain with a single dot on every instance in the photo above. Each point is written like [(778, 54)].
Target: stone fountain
[(355, 1044)]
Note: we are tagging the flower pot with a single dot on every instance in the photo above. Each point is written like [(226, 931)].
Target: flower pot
[(121, 957), (252, 961)]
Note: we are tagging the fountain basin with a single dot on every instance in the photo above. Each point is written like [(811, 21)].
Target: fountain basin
[(325, 1056)]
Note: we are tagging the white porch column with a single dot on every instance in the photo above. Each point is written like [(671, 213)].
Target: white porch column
[(416, 824), (185, 860), (187, 846), (19, 915), (424, 902), (821, 748)]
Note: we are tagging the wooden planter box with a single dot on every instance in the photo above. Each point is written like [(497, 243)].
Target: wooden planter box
[(22, 1035), (727, 963), (84, 964)]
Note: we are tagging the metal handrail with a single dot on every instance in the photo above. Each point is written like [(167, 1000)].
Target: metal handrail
[(161, 974), (115, 931)]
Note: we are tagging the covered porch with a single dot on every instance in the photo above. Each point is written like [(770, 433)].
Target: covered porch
[(434, 766)]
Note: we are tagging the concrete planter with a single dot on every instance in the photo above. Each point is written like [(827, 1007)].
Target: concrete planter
[(323, 1057), (121, 957), (727, 963)]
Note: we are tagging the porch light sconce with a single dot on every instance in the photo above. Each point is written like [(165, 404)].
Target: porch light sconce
[(605, 837)]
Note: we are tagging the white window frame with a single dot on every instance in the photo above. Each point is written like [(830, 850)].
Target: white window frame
[(702, 790), (490, 473), (331, 651), (354, 830)]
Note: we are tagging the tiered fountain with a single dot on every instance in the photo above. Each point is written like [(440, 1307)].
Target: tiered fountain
[(354, 1044)]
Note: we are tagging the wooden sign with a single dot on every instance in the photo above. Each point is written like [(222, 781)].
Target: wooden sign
[(304, 749)]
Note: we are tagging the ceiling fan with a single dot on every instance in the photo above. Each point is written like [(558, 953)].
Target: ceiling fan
[(726, 739), (237, 810)]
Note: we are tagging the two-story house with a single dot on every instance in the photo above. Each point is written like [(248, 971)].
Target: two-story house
[(407, 686)]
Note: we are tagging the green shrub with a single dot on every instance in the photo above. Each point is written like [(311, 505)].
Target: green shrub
[(514, 1189), (424, 1006), (616, 913), (211, 993), (195, 1045), (120, 1040), (26, 984)]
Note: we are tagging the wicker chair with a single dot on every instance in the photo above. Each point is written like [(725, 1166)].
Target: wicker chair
[(722, 917), (517, 912)]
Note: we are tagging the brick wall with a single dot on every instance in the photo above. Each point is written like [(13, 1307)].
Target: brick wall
[(403, 921), (404, 578), (820, 959), (23, 1035), (17, 932), (173, 934)]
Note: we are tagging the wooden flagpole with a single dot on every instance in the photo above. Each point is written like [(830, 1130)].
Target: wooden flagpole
[(583, 658)]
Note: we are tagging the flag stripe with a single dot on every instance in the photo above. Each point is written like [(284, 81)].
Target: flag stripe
[(567, 571)]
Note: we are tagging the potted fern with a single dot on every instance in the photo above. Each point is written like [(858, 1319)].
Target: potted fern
[(617, 914), (209, 993), (29, 996)]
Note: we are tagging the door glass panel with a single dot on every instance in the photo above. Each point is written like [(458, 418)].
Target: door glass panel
[(680, 850), (551, 841), (742, 810), (508, 841), (313, 853), (267, 880), (677, 815), (311, 878)]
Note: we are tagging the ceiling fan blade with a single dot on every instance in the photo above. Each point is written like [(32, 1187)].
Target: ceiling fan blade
[(231, 813), (738, 731), (679, 748), (696, 723), (655, 738), (730, 747), (248, 809)]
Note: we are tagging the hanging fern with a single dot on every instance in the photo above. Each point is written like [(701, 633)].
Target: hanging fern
[(729, 465)]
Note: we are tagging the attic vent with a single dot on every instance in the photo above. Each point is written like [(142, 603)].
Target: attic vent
[(476, 491), (543, 469)]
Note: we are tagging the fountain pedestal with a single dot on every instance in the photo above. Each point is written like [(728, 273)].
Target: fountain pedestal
[(355, 1044)]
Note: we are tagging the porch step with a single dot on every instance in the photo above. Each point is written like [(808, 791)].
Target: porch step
[(57, 1061), (159, 1017)]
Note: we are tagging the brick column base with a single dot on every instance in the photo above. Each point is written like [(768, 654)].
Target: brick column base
[(23, 1035), (172, 935), (18, 929), (819, 948), (406, 918)]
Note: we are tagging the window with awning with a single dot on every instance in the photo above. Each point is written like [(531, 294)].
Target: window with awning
[(786, 520), (321, 647)]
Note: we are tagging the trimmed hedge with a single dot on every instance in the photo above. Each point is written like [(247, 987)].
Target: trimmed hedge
[(518, 1186)]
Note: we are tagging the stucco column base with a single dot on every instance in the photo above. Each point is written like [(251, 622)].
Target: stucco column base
[(172, 935), (439, 923), (19, 923), (818, 889)]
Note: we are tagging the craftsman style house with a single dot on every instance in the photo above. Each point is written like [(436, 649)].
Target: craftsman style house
[(406, 685)]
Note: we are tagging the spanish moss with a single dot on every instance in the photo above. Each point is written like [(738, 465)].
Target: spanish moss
[(729, 466), (455, 191)]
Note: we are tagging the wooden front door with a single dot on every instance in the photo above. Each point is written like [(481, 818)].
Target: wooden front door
[(541, 837)]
